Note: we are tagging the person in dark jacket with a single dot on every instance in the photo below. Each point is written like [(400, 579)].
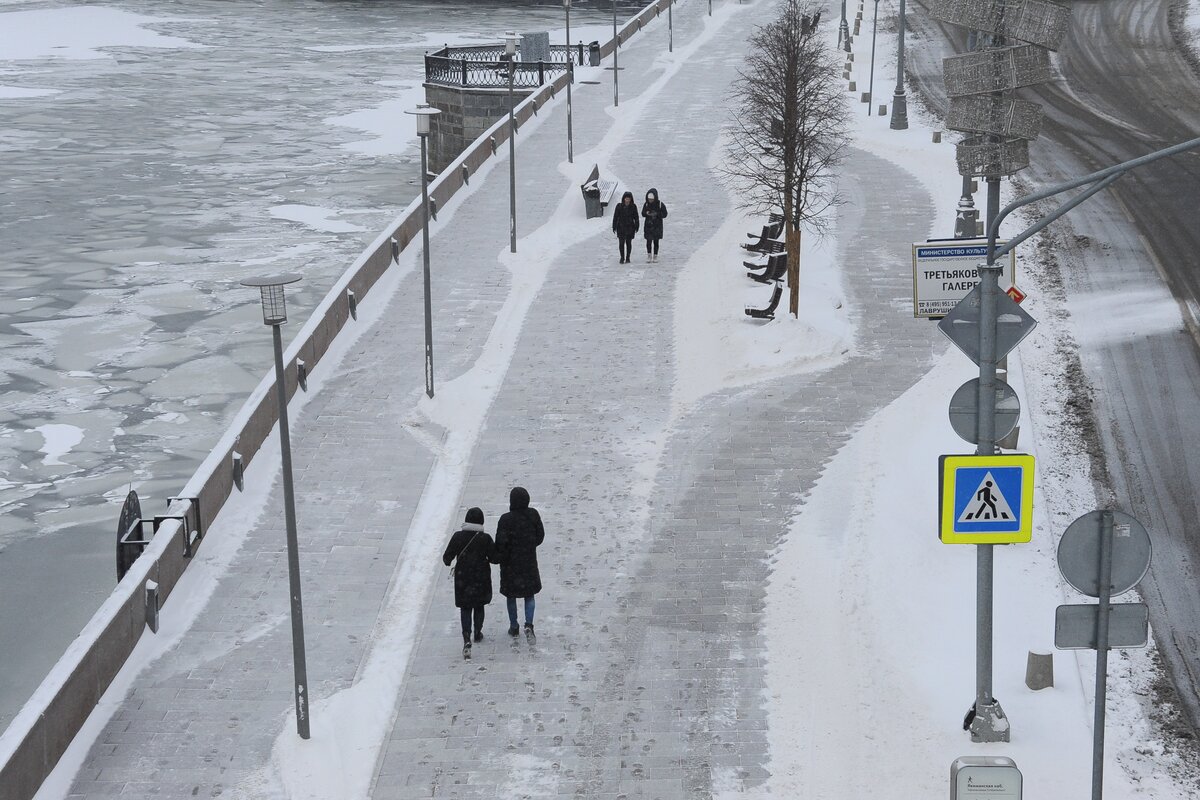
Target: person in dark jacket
[(518, 534), (655, 211), (475, 552), (626, 224)]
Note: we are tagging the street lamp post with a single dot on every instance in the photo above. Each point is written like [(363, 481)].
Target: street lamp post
[(843, 31), (424, 113), (670, 28), (899, 101), (871, 83), (275, 314), (616, 47), (570, 80), (510, 47)]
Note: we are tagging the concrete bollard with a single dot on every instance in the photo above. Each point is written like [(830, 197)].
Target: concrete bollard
[(852, 89), (846, 75), (850, 57), (883, 110), (866, 98), (937, 137), (1039, 670)]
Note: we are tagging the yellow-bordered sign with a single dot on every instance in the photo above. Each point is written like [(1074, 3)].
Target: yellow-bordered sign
[(985, 499)]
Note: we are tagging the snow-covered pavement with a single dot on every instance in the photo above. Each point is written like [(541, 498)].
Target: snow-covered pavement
[(700, 634)]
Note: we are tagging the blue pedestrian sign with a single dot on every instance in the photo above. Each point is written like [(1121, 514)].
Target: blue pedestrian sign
[(986, 499)]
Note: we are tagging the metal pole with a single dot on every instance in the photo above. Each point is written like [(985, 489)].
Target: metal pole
[(616, 47), (967, 216), (844, 31), (670, 28), (989, 723), (300, 668), (899, 101), (570, 80), (1102, 611), (710, 8), (874, 27), (512, 161), (425, 255)]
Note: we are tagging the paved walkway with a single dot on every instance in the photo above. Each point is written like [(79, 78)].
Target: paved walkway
[(647, 677)]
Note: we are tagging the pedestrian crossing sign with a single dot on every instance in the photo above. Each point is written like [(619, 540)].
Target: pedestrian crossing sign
[(986, 499)]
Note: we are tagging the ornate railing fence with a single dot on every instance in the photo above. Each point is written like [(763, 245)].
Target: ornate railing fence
[(486, 66)]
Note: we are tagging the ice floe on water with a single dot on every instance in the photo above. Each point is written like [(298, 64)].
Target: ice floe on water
[(59, 440)]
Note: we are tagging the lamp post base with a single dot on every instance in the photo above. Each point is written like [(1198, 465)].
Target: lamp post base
[(899, 112), (988, 723)]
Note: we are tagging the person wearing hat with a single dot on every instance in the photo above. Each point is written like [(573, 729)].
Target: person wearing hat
[(474, 551), (519, 533)]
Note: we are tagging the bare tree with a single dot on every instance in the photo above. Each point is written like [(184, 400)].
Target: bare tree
[(788, 133)]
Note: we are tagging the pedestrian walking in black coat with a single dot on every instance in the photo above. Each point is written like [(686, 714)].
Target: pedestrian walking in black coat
[(475, 552), (655, 211), (518, 534), (626, 224)]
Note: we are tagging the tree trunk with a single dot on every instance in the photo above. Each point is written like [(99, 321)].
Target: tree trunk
[(793, 268)]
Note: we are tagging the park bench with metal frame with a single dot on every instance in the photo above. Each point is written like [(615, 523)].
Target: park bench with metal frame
[(769, 311), (770, 231), (603, 191), (775, 269)]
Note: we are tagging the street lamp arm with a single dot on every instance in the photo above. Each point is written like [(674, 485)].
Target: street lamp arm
[(1101, 180)]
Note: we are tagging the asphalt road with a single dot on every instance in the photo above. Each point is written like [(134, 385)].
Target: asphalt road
[(1127, 89)]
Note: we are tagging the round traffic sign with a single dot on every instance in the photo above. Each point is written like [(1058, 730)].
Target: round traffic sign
[(964, 410), (1079, 553)]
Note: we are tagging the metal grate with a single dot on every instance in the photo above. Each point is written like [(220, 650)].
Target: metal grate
[(995, 115), (997, 70), (1039, 22), (978, 157), (274, 310)]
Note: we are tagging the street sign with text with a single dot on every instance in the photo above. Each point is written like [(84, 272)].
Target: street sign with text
[(945, 270)]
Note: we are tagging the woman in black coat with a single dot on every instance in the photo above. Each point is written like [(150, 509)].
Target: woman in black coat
[(518, 534), (472, 574), (626, 224), (655, 211)]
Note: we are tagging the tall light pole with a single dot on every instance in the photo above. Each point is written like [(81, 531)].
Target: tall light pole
[(570, 80), (510, 47), (899, 101), (670, 28), (966, 217), (424, 113), (616, 47), (871, 83), (843, 30), (275, 314)]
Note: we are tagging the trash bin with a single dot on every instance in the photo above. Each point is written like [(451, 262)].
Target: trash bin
[(594, 54), (591, 200)]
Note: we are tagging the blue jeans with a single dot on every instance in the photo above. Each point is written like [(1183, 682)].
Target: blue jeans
[(512, 611)]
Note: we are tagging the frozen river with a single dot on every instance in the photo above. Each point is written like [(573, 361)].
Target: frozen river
[(152, 156)]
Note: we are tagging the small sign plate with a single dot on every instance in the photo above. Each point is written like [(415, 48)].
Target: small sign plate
[(1075, 626), (986, 499), (964, 410), (985, 778)]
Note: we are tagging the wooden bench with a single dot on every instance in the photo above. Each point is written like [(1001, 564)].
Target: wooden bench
[(769, 311), (769, 247), (596, 189), (772, 230), (776, 268)]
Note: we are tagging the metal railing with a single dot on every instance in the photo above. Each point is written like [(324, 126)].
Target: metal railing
[(487, 66)]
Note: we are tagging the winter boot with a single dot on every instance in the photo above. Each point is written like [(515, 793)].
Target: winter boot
[(479, 636), (529, 634), (514, 631), (467, 651)]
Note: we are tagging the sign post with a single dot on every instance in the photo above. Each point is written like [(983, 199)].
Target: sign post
[(1102, 554)]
